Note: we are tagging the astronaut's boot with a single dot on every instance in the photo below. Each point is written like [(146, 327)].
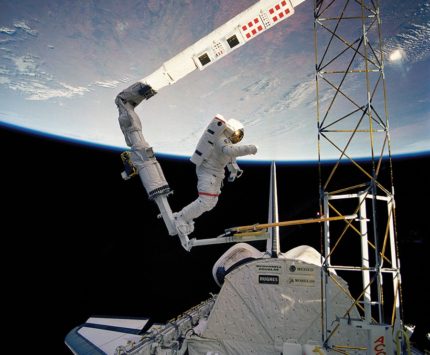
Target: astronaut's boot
[(183, 226)]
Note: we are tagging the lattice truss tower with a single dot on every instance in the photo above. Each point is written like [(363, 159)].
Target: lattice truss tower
[(353, 123)]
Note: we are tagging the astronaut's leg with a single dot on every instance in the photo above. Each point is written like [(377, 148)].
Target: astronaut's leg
[(209, 188), (196, 208)]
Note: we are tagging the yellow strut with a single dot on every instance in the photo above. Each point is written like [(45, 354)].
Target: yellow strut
[(257, 227)]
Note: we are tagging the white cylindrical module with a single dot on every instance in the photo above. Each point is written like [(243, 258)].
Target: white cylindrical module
[(153, 179), (236, 255)]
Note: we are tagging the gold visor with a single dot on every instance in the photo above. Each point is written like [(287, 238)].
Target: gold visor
[(237, 136)]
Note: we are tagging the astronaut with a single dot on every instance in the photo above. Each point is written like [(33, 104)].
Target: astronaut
[(215, 151)]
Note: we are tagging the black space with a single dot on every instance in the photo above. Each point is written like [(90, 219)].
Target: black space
[(78, 241)]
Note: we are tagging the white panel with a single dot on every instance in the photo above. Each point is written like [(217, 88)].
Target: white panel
[(157, 79), (181, 65)]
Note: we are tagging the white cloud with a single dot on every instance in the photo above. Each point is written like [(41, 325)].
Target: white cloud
[(298, 95), (413, 38), (4, 80), (25, 27), (262, 86), (120, 27), (7, 30), (5, 49), (37, 91), (108, 83), (27, 77), (25, 64), (258, 89)]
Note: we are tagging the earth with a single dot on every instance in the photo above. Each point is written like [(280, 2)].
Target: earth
[(63, 63)]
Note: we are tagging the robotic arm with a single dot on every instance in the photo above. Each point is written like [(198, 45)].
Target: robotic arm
[(239, 30), (228, 37)]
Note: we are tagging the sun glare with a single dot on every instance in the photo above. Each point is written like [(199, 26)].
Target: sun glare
[(396, 55)]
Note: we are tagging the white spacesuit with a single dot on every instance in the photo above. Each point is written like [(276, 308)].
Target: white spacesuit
[(215, 151)]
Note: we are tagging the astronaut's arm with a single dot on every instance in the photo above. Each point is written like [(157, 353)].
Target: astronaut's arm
[(235, 151), (239, 150)]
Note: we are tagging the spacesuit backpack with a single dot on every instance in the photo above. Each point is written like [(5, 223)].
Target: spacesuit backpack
[(207, 142), (232, 128)]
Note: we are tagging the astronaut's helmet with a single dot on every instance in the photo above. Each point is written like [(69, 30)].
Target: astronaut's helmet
[(234, 130)]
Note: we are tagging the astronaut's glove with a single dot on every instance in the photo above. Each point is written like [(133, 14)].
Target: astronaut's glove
[(234, 171), (250, 149)]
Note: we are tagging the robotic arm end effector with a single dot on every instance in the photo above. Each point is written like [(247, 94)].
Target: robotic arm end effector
[(134, 94)]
